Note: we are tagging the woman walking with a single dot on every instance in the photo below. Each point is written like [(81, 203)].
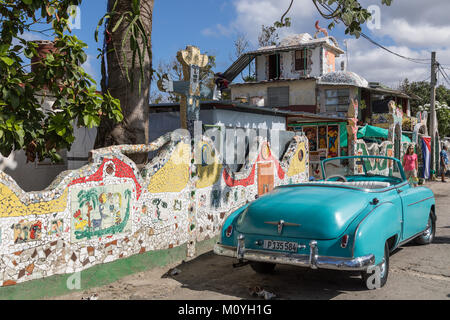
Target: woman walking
[(444, 162), (411, 164)]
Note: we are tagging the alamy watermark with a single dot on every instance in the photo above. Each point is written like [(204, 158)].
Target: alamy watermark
[(232, 146), (374, 280), (74, 281), (74, 13), (374, 22)]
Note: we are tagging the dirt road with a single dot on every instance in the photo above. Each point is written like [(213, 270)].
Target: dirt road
[(416, 272)]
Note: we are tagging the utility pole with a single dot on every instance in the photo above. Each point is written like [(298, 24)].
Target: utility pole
[(433, 112)]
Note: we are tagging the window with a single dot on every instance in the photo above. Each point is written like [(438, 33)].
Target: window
[(301, 60), (337, 100), (278, 96), (274, 66)]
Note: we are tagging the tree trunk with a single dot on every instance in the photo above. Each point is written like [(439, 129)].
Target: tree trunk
[(135, 125)]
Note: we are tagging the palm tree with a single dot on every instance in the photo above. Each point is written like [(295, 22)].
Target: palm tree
[(88, 197), (130, 84)]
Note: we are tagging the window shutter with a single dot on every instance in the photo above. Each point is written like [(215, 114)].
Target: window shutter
[(278, 96)]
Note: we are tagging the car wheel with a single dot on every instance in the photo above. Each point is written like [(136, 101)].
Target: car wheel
[(428, 236), (368, 276), (262, 267)]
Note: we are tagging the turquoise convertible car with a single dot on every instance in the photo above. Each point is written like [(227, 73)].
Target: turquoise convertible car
[(352, 220)]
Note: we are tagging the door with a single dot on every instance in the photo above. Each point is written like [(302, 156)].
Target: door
[(415, 212), (265, 177)]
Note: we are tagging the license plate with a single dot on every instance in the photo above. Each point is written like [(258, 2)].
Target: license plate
[(280, 245)]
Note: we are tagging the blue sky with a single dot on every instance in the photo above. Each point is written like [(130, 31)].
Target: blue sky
[(410, 27), (176, 24)]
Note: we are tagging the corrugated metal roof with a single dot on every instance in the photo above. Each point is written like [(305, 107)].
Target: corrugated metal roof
[(240, 64), (390, 91)]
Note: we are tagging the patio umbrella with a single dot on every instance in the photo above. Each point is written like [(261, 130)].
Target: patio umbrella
[(376, 132)]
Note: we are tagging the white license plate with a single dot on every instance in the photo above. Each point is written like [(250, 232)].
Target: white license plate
[(280, 245)]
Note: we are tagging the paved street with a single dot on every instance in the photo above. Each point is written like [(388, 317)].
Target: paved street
[(417, 272)]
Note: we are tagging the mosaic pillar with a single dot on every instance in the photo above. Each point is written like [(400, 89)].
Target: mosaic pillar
[(191, 89), (352, 127)]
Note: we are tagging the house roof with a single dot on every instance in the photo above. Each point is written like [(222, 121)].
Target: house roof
[(223, 104), (343, 78), (294, 116), (293, 42), (272, 81), (300, 41)]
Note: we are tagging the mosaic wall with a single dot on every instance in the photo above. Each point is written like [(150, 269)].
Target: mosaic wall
[(385, 148), (393, 147), (110, 210)]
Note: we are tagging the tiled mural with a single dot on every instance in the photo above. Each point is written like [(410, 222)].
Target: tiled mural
[(110, 210)]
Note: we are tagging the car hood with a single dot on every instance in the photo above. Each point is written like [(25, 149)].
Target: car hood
[(310, 212)]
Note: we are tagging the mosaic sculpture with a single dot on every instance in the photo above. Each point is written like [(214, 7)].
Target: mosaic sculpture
[(192, 89), (109, 209)]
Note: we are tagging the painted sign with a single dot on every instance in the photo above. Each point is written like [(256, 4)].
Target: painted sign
[(265, 177), (100, 211)]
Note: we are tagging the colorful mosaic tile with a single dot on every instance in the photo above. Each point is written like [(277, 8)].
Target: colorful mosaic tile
[(108, 209)]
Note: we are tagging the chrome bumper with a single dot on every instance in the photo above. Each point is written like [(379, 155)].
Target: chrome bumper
[(313, 260)]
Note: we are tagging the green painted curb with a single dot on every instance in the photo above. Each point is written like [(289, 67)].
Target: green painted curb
[(100, 275)]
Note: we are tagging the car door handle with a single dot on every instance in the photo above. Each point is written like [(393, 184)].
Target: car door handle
[(399, 191)]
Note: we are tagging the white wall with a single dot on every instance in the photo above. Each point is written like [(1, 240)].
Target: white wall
[(38, 176), (83, 144), (287, 65), (301, 92), (164, 122), (31, 176)]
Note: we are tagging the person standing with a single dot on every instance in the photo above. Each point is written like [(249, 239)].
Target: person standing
[(444, 162), (411, 164)]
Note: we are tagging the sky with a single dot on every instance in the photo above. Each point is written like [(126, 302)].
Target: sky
[(412, 28)]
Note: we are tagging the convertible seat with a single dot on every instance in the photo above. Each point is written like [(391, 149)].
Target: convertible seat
[(358, 184)]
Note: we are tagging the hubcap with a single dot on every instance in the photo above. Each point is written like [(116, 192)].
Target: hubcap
[(383, 268), (429, 231)]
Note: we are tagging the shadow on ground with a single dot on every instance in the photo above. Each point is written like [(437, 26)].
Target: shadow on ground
[(210, 272)]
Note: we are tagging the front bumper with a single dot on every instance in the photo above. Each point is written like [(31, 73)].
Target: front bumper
[(313, 260)]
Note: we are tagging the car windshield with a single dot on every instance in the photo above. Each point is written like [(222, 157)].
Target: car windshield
[(363, 168)]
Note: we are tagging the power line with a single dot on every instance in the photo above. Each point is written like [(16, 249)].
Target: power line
[(415, 60), (444, 74)]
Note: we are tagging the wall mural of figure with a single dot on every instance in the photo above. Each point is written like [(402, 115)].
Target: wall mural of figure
[(56, 227), (323, 144), (27, 231), (333, 141), (311, 134)]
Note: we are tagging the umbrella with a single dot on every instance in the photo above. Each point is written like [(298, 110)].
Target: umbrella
[(376, 132)]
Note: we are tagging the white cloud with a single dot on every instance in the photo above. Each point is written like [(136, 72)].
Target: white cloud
[(417, 36), (252, 14), (377, 65), (412, 28), (88, 67)]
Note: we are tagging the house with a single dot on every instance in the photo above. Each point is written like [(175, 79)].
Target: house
[(286, 75), (300, 75)]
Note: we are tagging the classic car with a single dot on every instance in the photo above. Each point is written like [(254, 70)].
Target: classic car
[(352, 220)]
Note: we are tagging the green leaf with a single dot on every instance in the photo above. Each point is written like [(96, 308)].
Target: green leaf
[(119, 22), (7, 60)]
